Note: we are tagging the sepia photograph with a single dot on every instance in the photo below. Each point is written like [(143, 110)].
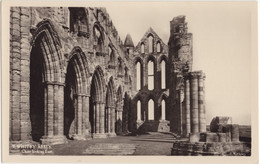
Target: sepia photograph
[(138, 79)]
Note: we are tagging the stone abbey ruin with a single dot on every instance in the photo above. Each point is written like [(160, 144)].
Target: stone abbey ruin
[(72, 77)]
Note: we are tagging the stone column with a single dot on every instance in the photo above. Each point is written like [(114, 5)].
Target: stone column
[(55, 108), (94, 118), (97, 117), (194, 103), (50, 110), (79, 118), (235, 133), (79, 130), (119, 120), (108, 120), (187, 104), (181, 97), (84, 118), (85, 114), (61, 111), (113, 121), (202, 120), (101, 118), (54, 125)]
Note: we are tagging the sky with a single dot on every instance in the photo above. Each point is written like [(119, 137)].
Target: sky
[(221, 47)]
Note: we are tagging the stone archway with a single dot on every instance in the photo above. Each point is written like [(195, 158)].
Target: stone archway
[(76, 96), (126, 115), (97, 104), (119, 110), (110, 109), (46, 85)]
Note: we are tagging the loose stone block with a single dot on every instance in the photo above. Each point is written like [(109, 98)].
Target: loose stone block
[(235, 133), (222, 137), (212, 137), (194, 137), (216, 121)]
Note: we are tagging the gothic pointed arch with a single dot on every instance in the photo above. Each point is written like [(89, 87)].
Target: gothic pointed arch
[(110, 107), (76, 89), (97, 102), (46, 38), (99, 38), (46, 85)]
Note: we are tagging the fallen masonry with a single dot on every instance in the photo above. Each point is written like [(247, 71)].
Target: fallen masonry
[(223, 139)]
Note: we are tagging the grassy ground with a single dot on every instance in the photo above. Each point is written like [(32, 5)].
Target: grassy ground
[(148, 144)]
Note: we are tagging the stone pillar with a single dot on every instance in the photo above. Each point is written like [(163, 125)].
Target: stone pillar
[(55, 108), (94, 118), (113, 121), (119, 120), (50, 110), (202, 119), (85, 114), (54, 125), (101, 118), (79, 111), (235, 133), (108, 120), (181, 97), (79, 116), (194, 103), (61, 111), (97, 108), (187, 104)]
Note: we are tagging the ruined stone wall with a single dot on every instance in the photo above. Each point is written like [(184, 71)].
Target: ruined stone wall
[(157, 94), (19, 77), (81, 56), (27, 25), (180, 57)]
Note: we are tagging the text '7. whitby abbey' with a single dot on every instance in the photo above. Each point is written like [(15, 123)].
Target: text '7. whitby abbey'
[(71, 77)]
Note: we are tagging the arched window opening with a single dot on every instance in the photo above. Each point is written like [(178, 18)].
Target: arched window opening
[(138, 75), (126, 76), (158, 47), (150, 44), (151, 110), (163, 75), (98, 40), (78, 21), (163, 110), (111, 55), (138, 110), (150, 75), (142, 48), (120, 67)]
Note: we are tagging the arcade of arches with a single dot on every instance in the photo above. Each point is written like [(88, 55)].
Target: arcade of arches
[(72, 78)]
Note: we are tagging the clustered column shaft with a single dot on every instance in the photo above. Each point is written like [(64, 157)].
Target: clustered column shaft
[(53, 111), (187, 105), (202, 120), (101, 119), (194, 103), (113, 120)]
